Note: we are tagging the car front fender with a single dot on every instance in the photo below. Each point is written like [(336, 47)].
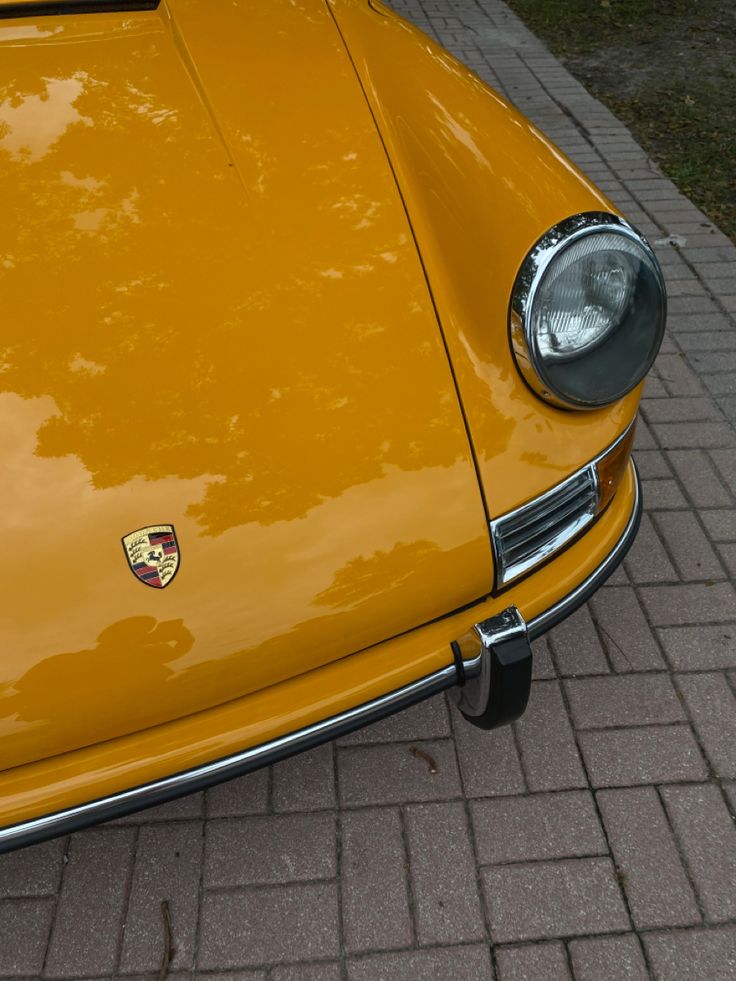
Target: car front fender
[(481, 185)]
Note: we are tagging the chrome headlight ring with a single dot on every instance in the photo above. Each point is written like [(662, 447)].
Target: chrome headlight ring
[(602, 369)]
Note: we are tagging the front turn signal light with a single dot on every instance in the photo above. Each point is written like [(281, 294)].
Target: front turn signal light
[(611, 467)]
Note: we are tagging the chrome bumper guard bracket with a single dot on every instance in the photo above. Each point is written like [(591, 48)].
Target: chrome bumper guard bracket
[(498, 680)]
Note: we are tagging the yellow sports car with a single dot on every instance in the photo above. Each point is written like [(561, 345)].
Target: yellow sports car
[(319, 367)]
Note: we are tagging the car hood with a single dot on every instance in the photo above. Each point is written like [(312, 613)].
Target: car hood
[(213, 317)]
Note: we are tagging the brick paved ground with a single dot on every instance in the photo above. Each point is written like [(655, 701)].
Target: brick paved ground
[(596, 838)]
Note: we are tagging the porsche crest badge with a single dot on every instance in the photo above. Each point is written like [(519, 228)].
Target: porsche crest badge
[(153, 554)]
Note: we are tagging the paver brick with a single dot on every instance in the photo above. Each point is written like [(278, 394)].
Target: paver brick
[(391, 773), (643, 438), (712, 705), (683, 322), (714, 253), (727, 404), (549, 755), (711, 272), (375, 903), (652, 754), (608, 959), (677, 435), (168, 864), (619, 577), (681, 955), (182, 809), (682, 285), (461, 963), (577, 647), (705, 340), (269, 925), (542, 664), (730, 789), (532, 961), (680, 380), (652, 464), (544, 900), (305, 782), (720, 383), (727, 552), (707, 837), (625, 700), (725, 462), (647, 560), (426, 720), (669, 606), (91, 906), (489, 762), (537, 826), (701, 307), (654, 387), (699, 648), (244, 795), (628, 638), (34, 871), (443, 874), (660, 494), (190, 976), (305, 972), (684, 409), (721, 524), (646, 857), (24, 934), (270, 849), (693, 554)]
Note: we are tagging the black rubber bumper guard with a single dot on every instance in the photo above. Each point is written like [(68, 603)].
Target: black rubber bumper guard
[(495, 685)]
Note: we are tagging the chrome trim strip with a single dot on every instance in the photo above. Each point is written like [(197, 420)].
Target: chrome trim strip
[(528, 280), (160, 791), (199, 777)]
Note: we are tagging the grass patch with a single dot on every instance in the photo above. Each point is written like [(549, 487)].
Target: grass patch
[(667, 68)]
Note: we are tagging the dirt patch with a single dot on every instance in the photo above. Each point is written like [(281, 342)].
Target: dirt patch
[(668, 69)]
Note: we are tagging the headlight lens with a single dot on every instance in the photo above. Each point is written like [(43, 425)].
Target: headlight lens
[(588, 311)]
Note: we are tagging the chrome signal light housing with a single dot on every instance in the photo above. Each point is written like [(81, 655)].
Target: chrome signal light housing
[(530, 535)]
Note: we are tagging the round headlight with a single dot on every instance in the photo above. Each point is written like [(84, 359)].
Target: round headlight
[(587, 311)]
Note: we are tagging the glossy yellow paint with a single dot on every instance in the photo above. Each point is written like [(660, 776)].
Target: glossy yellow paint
[(119, 764), (215, 316)]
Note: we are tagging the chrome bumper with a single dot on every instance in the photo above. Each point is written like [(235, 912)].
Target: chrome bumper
[(491, 633)]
